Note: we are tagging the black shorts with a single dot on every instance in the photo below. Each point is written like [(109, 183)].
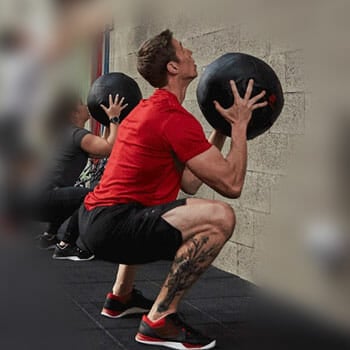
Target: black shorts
[(129, 233)]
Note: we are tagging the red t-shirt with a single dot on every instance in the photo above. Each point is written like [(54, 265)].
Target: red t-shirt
[(141, 167)]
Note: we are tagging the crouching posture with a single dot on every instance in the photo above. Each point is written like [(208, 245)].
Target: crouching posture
[(132, 216)]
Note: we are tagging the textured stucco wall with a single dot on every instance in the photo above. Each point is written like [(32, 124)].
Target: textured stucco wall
[(268, 154)]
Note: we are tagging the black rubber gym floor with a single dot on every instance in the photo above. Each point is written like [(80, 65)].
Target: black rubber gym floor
[(217, 304), (56, 305)]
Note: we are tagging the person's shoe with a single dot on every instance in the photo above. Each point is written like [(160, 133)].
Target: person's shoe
[(115, 308), (47, 241), (173, 333), (73, 253)]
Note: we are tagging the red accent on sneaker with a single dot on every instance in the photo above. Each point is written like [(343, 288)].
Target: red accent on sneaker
[(112, 296), (154, 324), (123, 299), (147, 338), (111, 312)]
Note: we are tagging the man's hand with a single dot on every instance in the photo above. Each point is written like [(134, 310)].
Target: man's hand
[(115, 107), (241, 111)]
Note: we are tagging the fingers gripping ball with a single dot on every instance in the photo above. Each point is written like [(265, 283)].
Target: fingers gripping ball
[(214, 84), (112, 84)]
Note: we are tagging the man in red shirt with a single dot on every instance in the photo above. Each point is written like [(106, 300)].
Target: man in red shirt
[(133, 217)]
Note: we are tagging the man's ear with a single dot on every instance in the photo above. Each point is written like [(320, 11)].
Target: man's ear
[(172, 67)]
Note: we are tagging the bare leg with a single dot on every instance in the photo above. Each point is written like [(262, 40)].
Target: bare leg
[(124, 300), (124, 282), (205, 226)]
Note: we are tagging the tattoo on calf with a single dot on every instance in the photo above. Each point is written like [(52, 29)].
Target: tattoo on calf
[(187, 267)]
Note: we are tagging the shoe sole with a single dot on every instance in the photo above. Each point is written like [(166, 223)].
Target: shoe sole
[(172, 344), (131, 311), (72, 258)]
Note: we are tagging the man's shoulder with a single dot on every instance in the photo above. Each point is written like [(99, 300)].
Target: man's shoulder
[(180, 112), (167, 102)]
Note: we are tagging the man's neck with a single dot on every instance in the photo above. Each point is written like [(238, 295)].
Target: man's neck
[(178, 89)]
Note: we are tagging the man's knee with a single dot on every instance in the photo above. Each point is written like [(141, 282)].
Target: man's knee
[(224, 218)]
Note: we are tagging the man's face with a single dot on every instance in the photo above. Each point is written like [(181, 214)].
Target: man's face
[(186, 65)]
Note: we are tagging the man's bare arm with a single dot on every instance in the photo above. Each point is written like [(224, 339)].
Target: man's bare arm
[(190, 183), (226, 175)]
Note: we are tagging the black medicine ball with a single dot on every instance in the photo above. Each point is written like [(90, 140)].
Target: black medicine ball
[(214, 85), (112, 83)]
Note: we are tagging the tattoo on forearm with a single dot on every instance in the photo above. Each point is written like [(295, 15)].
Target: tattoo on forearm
[(186, 268)]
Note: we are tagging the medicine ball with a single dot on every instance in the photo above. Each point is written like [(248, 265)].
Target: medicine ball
[(112, 83), (214, 84)]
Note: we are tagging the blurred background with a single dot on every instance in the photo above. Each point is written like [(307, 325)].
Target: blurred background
[(292, 236)]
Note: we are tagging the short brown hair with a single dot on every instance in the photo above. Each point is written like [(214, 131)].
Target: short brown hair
[(153, 57)]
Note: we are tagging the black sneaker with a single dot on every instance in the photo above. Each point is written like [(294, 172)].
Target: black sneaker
[(47, 241), (72, 253), (173, 333), (114, 308)]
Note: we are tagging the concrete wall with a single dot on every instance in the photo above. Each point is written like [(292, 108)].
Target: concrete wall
[(268, 154)]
